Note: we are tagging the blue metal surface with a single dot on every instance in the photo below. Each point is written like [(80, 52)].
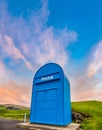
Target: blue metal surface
[(50, 103)]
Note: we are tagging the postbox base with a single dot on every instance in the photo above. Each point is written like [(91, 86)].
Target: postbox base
[(30, 126)]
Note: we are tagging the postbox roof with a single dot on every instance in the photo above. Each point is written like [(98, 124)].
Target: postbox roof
[(48, 69)]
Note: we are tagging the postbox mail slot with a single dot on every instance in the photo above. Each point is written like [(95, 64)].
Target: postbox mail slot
[(47, 78)]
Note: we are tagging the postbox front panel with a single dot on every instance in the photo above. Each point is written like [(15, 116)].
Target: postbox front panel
[(46, 102)]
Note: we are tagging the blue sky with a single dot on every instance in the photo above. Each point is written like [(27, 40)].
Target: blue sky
[(82, 16), (36, 32)]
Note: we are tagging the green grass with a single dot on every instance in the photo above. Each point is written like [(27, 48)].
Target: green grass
[(90, 108), (13, 114), (94, 110)]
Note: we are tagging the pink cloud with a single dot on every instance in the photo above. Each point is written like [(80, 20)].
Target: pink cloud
[(2, 70), (96, 63), (86, 84), (12, 51), (33, 41), (84, 87), (53, 46), (13, 93), (89, 94), (3, 73)]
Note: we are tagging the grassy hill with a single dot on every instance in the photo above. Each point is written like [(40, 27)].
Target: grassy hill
[(94, 110), (13, 111)]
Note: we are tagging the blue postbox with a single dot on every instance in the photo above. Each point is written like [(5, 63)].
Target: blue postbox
[(50, 103)]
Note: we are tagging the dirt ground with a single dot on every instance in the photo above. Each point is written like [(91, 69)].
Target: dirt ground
[(7, 124)]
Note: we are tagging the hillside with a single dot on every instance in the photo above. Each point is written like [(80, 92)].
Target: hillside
[(13, 111), (91, 109), (16, 106), (94, 110)]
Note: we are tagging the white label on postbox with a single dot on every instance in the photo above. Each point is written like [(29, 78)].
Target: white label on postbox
[(47, 78)]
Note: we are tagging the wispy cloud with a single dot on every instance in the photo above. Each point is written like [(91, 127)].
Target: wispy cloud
[(53, 46), (96, 63), (2, 72), (83, 87), (87, 84), (29, 43), (32, 40), (12, 51), (14, 93)]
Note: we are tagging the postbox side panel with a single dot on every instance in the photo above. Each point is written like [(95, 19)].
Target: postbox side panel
[(67, 102)]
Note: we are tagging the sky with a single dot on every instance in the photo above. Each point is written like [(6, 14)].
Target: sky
[(36, 32)]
